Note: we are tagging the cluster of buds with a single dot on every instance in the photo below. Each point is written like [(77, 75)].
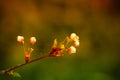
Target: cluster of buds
[(75, 39), (27, 53), (68, 45)]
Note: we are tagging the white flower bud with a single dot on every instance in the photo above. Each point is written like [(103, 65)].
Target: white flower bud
[(76, 43), (72, 50), (32, 40), (20, 39), (74, 37)]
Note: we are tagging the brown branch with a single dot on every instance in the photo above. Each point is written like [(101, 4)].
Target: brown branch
[(7, 71), (53, 53)]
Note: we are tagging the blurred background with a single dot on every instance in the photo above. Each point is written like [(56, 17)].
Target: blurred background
[(97, 22)]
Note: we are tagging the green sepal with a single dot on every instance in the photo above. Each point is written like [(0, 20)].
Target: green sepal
[(15, 74), (55, 43)]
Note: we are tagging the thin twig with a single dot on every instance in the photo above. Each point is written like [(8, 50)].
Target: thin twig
[(25, 63)]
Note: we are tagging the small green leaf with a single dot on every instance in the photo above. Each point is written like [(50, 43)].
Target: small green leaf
[(62, 46), (66, 42), (15, 74), (55, 43), (67, 38)]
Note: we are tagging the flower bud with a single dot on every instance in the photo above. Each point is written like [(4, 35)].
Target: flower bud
[(76, 43), (20, 39), (72, 36), (72, 50), (76, 38), (32, 40)]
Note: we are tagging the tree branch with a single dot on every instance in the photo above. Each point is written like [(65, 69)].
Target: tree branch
[(7, 71)]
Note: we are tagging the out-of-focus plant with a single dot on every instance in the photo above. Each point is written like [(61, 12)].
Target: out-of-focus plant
[(68, 45)]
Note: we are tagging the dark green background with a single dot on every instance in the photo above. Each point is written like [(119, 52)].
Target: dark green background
[(96, 22)]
